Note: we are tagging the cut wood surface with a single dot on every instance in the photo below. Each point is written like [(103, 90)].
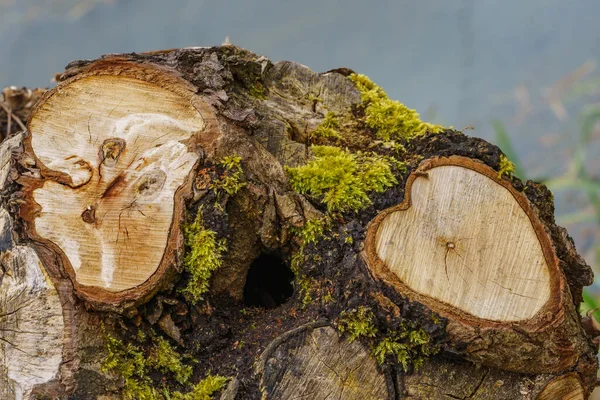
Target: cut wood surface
[(177, 225), (117, 151), (566, 387), (321, 366), (466, 243), (462, 238)]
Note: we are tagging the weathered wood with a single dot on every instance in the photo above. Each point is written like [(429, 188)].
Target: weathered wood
[(447, 279), (31, 323), (567, 387), (318, 364)]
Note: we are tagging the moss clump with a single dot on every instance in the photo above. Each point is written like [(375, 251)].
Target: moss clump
[(203, 390), (165, 359), (341, 179), (302, 282), (131, 363), (312, 230), (203, 257), (506, 167), (408, 346), (357, 323), (232, 179), (328, 129), (389, 118)]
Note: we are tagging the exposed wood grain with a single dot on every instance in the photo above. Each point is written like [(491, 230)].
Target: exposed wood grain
[(115, 152), (318, 364), (445, 380), (565, 387), (466, 242), (31, 324), (125, 159)]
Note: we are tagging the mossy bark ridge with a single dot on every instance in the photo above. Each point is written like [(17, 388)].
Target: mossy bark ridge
[(148, 187)]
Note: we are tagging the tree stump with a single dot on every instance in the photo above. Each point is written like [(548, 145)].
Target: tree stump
[(203, 223)]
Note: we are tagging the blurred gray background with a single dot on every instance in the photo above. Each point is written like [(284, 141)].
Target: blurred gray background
[(530, 64)]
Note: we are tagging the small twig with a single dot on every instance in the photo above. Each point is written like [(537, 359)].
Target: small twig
[(10, 116), (9, 124)]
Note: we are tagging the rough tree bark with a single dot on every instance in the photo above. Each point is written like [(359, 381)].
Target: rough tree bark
[(420, 268)]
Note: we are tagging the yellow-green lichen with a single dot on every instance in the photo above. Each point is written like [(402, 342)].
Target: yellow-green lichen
[(506, 167), (340, 179), (328, 129), (233, 178), (389, 118), (258, 91), (203, 256), (357, 323), (407, 345)]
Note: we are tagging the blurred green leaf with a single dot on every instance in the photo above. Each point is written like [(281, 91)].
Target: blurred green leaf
[(588, 87), (591, 117), (568, 183), (505, 143), (574, 217), (590, 303)]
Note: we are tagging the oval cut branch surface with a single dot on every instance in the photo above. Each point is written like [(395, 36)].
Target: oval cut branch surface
[(116, 151), (465, 241)]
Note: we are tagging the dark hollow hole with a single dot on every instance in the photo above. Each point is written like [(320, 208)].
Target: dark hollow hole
[(269, 282)]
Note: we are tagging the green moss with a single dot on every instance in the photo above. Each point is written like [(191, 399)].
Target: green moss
[(165, 359), (141, 336), (393, 145), (202, 258), (340, 179), (129, 362), (408, 346), (328, 129), (389, 118), (232, 179), (357, 323), (305, 285), (302, 282), (506, 167), (315, 99), (312, 230), (203, 390)]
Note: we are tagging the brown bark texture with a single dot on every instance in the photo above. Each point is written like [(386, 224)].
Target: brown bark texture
[(203, 223)]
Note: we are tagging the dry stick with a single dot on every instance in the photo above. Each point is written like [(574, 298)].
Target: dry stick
[(10, 116)]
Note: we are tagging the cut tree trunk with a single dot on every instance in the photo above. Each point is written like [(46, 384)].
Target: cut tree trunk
[(148, 203)]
